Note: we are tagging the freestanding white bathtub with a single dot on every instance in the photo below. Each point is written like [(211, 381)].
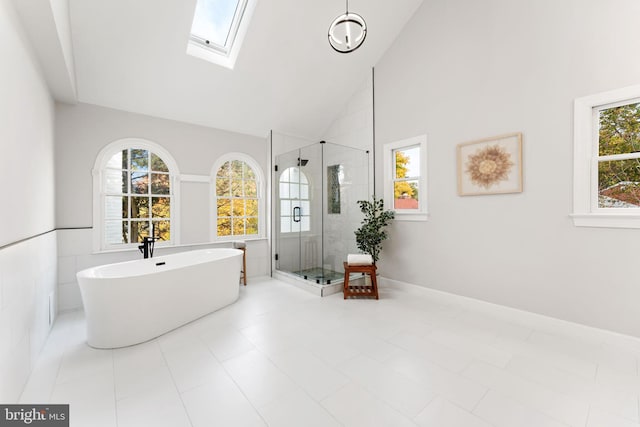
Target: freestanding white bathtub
[(132, 302)]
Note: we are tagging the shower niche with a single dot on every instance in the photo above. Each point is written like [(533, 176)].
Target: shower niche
[(315, 192)]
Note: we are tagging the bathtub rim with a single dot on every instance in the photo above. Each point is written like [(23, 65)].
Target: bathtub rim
[(91, 272)]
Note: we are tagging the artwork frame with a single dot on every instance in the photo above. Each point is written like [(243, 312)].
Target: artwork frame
[(490, 166)]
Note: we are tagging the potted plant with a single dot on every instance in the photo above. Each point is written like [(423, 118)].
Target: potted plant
[(371, 234)]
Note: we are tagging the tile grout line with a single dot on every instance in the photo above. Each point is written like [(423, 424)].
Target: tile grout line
[(433, 399), (530, 408), (480, 400), (541, 385), (375, 397), (327, 410), (528, 339), (548, 352), (115, 399), (62, 356), (297, 385), (175, 384), (544, 385), (233, 379), (474, 407)]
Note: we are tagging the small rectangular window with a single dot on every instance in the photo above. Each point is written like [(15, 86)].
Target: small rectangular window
[(606, 165), (405, 178), (618, 159), (406, 181)]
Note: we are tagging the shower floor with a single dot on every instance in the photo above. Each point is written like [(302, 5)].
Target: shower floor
[(320, 275)]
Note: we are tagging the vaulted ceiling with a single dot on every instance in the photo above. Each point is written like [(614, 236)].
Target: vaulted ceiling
[(131, 55)]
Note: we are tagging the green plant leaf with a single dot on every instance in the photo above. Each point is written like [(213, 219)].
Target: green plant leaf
[(371, 234)]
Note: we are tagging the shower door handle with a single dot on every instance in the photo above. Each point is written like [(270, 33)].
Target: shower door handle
[(297, 211)]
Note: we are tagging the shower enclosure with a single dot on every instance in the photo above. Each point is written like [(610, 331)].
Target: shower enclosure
[(316, 189)]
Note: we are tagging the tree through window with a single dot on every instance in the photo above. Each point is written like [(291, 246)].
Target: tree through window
[(406, 178), (619, 156), (606, 159), (237, 201), (137, 197)]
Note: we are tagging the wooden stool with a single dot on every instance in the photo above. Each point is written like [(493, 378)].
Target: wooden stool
[(243, 247), (360, 290)]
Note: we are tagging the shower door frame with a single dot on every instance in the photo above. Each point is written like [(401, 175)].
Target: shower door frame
[(306, 258), (287, 254)]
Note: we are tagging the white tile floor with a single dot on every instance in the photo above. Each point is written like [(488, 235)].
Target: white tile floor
[(283, 357)]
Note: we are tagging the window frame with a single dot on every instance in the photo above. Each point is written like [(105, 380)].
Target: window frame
[(99, 194), (260, 183), (308, 184), (422, 213), (586, 211), (227, 55)]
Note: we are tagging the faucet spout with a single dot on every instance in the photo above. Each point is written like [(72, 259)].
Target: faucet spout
[(148, 243), (147, 246)]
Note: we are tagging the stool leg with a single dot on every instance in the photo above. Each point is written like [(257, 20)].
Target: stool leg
[(244, 265), (374, 283), (345, 289)]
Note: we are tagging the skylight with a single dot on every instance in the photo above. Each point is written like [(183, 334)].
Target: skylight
[(218, 29)]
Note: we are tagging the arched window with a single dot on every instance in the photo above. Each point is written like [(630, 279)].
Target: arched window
[(238, 203), (295, 207), (136, 194)]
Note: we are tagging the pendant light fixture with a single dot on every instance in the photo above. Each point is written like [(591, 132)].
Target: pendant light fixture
[(347, 32)]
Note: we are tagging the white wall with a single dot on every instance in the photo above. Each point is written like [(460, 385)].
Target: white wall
[(62, 18), (353, 126), (27, 239), (83, 130), (48, 27), (463, 70)]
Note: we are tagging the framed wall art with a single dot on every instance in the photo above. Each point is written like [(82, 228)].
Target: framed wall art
[(490, 166)]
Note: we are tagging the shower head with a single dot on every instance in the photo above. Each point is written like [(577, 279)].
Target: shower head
[(302, 162)]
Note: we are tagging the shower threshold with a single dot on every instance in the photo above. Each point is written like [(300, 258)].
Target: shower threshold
[(321, 276), (313, 285)]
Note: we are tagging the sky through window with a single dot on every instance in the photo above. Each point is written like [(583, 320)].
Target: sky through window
[(213, 20)]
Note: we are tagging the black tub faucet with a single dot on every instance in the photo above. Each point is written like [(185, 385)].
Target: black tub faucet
[(148, 244)]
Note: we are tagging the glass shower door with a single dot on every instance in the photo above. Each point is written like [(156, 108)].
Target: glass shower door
[(288, 212), (316, 189)]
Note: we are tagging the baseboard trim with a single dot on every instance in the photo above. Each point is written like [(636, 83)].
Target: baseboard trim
[(529, 319)]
